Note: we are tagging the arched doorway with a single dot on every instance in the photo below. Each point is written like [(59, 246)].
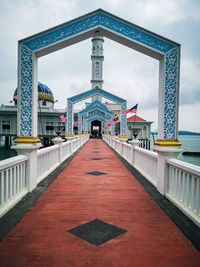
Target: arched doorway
[(96, 128)]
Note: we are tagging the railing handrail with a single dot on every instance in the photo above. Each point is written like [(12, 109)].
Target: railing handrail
[(188, 167), (147, 152), (126, 145), (10, 162), (47, 149), (65, 143)]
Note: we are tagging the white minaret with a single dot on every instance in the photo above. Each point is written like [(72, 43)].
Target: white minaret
[(97, 64)]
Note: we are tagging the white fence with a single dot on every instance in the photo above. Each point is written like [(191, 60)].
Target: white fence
[(15, 176), (47, 161), (184, 188), (13, 182), (182, 179)]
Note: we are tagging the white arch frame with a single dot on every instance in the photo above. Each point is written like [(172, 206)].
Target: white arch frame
[(117, 29)]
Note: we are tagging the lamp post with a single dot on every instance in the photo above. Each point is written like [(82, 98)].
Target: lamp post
[(58, 129), (135, 131)]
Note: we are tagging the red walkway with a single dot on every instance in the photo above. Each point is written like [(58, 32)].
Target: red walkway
[(75, 198)]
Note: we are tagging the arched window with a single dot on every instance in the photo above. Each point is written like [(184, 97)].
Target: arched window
[(145, 131), (97, 68)]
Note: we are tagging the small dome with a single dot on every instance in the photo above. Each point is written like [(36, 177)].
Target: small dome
[(44, 93)]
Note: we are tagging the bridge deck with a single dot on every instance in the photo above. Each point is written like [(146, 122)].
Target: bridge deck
[(150, 238)]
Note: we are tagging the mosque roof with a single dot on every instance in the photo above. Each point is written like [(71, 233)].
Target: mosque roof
[(44, 93)]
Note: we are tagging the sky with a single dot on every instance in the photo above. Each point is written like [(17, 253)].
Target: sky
[(127, 73)]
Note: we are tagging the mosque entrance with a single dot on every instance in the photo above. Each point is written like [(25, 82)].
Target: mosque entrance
[(96, 129)]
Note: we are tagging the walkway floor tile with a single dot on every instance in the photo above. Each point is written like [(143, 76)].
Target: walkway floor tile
[(42, 237)]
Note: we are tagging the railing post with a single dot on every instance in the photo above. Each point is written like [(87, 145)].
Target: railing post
[(30, 150), (134, 143), (70, 139), (122, 139), (164, 153), (58, 141)]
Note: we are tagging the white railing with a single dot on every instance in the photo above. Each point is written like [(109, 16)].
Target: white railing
[(182, 180), (184, 188), (126, 151), (50, 158), (66, 150), (47, 161), (16, 174), (13, 182), (146, 161)]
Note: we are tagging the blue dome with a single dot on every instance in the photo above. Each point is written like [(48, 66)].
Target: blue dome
[(44, 93)]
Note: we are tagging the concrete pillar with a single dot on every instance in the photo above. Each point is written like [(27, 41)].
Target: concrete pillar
[(30, 150), (58, 141), (134, 143), (164, 153)]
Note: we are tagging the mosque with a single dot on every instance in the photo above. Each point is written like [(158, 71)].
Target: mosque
[(48, 116)]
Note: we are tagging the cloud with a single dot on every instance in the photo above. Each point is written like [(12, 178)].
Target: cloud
[(190, 82), (189, 117)]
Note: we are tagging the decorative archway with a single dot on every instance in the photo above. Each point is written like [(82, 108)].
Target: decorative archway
[(95, 107), (117, 29), (96, 103)]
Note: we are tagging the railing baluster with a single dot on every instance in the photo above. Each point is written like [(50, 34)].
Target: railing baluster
[(192, 193), (2, 188)]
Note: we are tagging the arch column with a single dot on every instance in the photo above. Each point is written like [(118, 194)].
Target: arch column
[(69, 130), (79, 123), (168, 100), (27, 97), (84, 125), (123, 126), (112, 125)]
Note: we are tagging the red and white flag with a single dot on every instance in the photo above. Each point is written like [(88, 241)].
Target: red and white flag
[(131, 110), (115, 120), (63, 118)]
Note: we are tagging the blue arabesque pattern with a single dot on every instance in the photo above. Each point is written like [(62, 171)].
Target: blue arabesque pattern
[(26, 92)]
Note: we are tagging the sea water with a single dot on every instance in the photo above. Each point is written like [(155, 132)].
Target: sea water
[(189, 143)]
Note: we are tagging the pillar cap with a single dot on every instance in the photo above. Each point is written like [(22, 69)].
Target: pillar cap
[(27, 140), (167, 143)]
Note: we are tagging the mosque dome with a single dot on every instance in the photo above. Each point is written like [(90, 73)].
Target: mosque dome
[(44, 93)]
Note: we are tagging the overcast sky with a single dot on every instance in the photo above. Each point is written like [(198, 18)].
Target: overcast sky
[(127, 73)]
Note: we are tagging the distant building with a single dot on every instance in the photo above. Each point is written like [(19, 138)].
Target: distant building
[(48, 117)]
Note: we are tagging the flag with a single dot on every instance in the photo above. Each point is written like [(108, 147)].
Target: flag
[(63, 117), (131, 110), (115, 120)]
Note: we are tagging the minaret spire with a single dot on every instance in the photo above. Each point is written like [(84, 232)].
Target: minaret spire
[(97, 64)]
